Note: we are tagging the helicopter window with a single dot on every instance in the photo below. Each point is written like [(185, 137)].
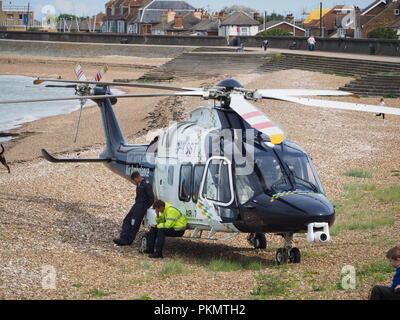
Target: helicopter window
[(272, 172), (185, 183), (197, 176), (301, 169), (217, 184), (248, 186)]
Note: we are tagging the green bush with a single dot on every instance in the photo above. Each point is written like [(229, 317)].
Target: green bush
[(275, 32), (383, 33)]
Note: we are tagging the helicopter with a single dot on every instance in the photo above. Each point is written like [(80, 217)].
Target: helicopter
[(229, 168)]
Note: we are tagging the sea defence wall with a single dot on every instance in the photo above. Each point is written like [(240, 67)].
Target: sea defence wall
[(79, 49), (358, 46)]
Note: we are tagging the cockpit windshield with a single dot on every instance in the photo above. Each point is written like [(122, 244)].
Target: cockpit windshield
[(279, 169)]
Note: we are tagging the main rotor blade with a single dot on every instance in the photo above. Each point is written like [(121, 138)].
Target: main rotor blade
[(339, 105), (119, 84), (301, 92), (99, 97), (256, 118)]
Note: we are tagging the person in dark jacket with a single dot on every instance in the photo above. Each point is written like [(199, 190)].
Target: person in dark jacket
[(392, 292), (3, 160), (144, 200)]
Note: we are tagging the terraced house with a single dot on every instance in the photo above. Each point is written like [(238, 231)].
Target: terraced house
[(119, 14), (142, 16)]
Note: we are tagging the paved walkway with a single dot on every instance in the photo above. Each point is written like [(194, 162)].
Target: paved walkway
[(329, 54)]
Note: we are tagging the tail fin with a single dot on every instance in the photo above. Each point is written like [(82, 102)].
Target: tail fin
[(112, 130), (80, 74)]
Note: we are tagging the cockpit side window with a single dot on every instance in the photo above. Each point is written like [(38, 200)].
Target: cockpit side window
[(248, 186), (217, 183)]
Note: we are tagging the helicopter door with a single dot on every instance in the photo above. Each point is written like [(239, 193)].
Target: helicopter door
[(216, 189)]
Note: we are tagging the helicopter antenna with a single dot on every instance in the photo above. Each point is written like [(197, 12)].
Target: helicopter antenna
[(83, 101)]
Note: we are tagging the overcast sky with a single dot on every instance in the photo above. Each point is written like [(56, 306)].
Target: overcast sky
[(86, 7)]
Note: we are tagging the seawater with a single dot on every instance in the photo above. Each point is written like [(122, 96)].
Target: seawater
[(21, 87)]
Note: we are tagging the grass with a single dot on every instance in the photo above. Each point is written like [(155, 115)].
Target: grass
[(226, 265), (143, 298), (172, 267), (270, 285), (390, 194), (77, 285), (390, 96), (379, 266), (354, 210), (97, 293), (358, 173), (276, 57)]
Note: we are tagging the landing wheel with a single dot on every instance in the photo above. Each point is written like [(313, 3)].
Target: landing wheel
[(257, 240), (144, 243), (294, 255), (282, 256)]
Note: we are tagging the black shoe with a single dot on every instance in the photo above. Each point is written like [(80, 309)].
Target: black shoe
[(120, 243), (148, 251), (156, 255)]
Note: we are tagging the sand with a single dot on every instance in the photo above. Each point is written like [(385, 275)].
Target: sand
[(64, 217)]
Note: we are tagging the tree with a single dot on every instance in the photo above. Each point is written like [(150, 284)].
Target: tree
[(275, 17), (232, 9), (275, 32), (383, 33)]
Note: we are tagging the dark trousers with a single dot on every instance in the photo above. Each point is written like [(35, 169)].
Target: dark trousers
[(157, 237), (132, 222), (384, 293)]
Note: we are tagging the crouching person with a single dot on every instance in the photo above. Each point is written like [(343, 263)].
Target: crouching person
[(171, 223)]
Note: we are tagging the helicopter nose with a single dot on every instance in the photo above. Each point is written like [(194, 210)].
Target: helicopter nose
[(289, 212)]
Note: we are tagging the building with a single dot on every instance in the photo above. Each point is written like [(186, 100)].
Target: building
[(207, 27), (177, 24), (283, 25), (238, 24), (15, 17), (152, 14), (387, 16), (348, 21), (119, 13)]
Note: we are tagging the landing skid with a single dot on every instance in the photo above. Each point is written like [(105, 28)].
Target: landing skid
[(197, 233)]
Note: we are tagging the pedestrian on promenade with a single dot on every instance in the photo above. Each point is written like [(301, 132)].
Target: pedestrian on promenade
[(311, 43)]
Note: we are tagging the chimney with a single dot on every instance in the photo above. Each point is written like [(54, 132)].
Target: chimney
[(204, 15), (256, 15), (178, 21), (197, 13), (170, 15)]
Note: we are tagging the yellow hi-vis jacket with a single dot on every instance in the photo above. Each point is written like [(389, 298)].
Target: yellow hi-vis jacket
[(171, 218)]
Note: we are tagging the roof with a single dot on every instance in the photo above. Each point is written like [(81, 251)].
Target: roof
[(239, 18), (395, 24), (188, 22), (152, 12), (273, 24), (373, 5), (315, 14), (170, 4), (207, 25)]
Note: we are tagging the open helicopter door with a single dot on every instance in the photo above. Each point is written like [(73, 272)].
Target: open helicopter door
[(216, 194)]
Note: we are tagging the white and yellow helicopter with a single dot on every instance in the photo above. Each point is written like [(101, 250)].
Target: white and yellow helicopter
[(229, 168)]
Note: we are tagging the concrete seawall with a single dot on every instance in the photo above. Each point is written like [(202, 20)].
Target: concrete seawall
[(77, 49), (357, 46)]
